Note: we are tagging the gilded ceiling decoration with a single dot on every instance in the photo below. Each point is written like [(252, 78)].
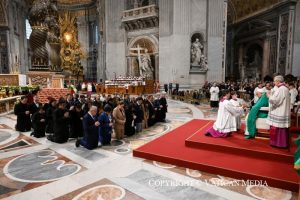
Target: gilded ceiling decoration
[(71, 53), (3, 20), (241, 9), (74, 2)]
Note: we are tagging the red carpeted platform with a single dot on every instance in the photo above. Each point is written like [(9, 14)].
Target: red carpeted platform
[(170, 148), (237, 144)]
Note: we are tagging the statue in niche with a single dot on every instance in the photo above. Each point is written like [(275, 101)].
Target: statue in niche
[(146, 67), (196, 52), (256, 62), (198, 59)]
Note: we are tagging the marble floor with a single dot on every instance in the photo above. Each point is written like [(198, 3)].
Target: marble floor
[(35, 168)]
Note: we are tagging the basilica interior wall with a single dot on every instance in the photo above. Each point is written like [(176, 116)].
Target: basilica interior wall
[(216, 39), (188, 18), (115, 39), (83, 38), (17, 47), (296, 57)]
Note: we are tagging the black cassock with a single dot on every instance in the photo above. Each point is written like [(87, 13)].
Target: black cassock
[(49, 119), (61, 126), (129, 126), (164, 109), (33, 108), (23, 120), (76, 129), (38, 126), (151, 119)]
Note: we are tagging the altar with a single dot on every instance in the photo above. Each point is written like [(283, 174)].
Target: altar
[(127, 85)]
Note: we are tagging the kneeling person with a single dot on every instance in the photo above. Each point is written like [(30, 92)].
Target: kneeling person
[(39, 122), (90, 130)]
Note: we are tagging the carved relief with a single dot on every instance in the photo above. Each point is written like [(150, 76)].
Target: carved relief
[(39, 80), (273, 54), (3, 18), (283, 37), (140, 18), (3, 53)]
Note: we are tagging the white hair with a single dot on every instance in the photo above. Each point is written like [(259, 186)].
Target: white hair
[(93, 108), (279, 78)]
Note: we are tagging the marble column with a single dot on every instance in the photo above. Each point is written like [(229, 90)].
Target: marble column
[(266, 57), (128, 71), (156, 66), (241, 62)]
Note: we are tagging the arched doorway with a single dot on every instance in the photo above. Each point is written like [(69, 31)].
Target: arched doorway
[(253, 62), (142, 57)]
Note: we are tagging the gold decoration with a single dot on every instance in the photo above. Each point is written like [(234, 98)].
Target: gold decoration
[(71, 54), (241, 9)]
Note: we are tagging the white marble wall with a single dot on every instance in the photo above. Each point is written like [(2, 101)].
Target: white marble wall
[(296, 57), (179, 20), (17, 42), (215, 40), (83, 38), (115, 39)]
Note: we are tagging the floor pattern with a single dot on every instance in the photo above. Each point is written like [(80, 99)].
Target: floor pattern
[(35, 168)]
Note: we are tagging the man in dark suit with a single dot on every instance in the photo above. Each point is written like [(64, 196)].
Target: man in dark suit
[(61, 118), (90, 130)]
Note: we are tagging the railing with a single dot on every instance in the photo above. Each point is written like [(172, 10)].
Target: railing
[(142, 12), (7, 104)]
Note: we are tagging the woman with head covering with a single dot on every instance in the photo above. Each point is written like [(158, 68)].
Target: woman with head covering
[(106, 124)]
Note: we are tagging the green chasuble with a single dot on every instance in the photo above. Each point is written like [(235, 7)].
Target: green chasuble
[(255, 113), (297, 156)]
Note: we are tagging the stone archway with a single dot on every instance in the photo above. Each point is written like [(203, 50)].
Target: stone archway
[(253, 61), (139, 47)]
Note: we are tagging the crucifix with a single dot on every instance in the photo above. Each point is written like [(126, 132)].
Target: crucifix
[(138, 48)]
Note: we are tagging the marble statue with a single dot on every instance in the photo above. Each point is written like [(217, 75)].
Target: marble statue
[(146, 67), (256, 62), (196, 52)]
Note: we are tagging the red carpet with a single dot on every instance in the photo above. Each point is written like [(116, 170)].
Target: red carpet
[(237, 144), (170, 148)]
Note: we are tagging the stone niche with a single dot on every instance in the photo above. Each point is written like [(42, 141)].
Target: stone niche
[(46, 79)]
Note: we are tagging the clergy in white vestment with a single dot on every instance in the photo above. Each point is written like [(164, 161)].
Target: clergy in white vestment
[(259, 86), (293, 92), (226, 119), (279, 114), (237, 102), (214, 96)]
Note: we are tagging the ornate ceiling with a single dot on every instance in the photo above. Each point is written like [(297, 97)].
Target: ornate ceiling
[(241, 9), (3, 19), (74, 2)]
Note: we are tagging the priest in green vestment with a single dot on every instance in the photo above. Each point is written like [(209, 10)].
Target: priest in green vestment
[(297, 156), (255, 113)]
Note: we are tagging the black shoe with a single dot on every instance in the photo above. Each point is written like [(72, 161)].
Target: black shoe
[(207, 134), (77, 143)]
